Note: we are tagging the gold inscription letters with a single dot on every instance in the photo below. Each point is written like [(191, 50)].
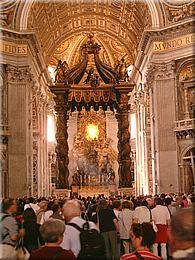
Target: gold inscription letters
[(13, 48), (174, 43)]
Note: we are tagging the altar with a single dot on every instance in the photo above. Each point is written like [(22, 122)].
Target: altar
[(94, 191)]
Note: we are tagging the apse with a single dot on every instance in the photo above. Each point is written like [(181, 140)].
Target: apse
[(93, 148)]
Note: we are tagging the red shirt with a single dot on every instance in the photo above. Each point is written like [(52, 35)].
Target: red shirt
[(144, 253), (48, 253)]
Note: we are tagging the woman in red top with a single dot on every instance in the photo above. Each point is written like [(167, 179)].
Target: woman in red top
[(142, 237), (52, 233)]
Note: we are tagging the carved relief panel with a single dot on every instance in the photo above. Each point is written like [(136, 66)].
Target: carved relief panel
[(178, 10)]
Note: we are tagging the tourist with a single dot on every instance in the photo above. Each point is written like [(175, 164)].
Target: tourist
[(125, 219), (41, 212), (10, 232), (142, 238), (94, 213), (31, 204), (116, 204), (142, 213), (56, 212), (184, 202), (32, 239), (150, 203), (116, 207), (52, 232), (181, 234), (108, 225), (161, 218), (71, 239), (169, 205), (49, 210)]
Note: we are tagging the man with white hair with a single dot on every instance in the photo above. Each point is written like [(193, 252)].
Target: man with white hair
[(181, 234), (72, 214), (41, 212)]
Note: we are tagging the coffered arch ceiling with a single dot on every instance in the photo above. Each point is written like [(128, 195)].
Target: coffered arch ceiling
[(63, 25), (55, 21)]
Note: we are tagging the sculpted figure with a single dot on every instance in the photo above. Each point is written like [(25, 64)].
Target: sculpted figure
[(111, 176), (60, 71), (121, 70), (89, 76), (76, 178)]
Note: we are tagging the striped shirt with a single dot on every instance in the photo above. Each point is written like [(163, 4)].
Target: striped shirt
[(144, 253)]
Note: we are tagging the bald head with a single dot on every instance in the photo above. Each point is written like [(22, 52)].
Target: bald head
[(71, 209), (182, 225)]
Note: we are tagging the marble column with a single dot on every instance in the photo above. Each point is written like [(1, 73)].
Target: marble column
[(124, 149), (62, 137)]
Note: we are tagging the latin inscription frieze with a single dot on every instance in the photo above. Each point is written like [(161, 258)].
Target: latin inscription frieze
[(13, 48), (174, 43)]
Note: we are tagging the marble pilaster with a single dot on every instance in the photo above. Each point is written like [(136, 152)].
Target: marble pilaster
[(19, 81), (161, 78)]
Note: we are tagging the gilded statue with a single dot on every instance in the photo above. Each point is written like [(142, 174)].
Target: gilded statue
[(61, 69), (95, 81), (121, 70), (89, 75)]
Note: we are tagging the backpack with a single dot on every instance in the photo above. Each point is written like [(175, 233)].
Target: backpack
[(92, 243), (1, 226)]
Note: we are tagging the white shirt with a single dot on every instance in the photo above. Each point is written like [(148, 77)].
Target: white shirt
[(35, 207), (142, 213), (71, 239), (125, 219), (160, 215), (116, 212), (47, 215)]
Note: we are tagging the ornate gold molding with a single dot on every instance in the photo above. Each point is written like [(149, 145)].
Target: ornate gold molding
[(178, 10)]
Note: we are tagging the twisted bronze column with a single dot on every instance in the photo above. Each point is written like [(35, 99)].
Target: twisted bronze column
[(124, 149), (62, 137)]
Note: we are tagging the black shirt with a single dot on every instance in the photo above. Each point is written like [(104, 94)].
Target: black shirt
[(106, 217)]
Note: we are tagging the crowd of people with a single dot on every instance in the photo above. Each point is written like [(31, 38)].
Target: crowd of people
[(144, 227)]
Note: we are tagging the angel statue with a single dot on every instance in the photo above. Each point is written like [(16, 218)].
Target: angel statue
[(89, 76), (61, 69)]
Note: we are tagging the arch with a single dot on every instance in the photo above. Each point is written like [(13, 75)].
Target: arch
[(156, 13), (127, 33), (186, 170), (184, 63), (186, 150), (22, 14), (69, 34)]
